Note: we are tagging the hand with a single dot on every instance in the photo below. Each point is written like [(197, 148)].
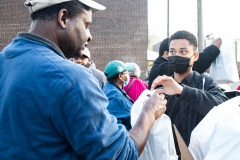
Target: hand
[(217, 42), (170, 86), (156, 104), (154, 107)]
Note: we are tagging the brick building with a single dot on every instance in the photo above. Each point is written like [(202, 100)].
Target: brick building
[(120, 32)]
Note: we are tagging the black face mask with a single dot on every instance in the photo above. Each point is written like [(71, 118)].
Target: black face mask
[(179, 64)]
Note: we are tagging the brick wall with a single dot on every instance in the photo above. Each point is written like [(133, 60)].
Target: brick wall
[(119, 32), (13, 18)]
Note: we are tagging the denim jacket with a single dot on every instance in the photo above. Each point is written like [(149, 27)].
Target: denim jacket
[(52, 108), (120, 104)]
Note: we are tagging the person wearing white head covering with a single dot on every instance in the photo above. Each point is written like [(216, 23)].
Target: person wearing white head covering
[(84, 58), (135, 86)]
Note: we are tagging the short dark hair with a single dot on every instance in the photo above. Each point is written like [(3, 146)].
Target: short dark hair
[(113, 78), (185, 35), (164, 46), (74, 8)]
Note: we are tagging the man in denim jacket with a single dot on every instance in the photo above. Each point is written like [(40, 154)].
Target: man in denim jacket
[(51, 108)]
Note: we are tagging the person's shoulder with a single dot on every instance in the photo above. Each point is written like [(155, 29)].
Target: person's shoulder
[(110, 89), (81, 72), (69, 68), (77, 75), (203, 77), (159, 61), (137, 79), (206, 75), (97, 71)]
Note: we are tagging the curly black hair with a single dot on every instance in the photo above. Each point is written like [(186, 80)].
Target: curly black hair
[(185, 35)]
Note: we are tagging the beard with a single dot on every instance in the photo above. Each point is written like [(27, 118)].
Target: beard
[(70, 46)]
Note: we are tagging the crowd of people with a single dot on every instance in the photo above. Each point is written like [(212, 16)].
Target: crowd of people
[(52, 108), (55, 103)]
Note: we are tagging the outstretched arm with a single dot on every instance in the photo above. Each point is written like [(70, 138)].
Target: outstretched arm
[(208, 55)]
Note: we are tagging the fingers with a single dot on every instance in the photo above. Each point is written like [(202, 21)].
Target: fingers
[(217, 42), (161, 107), (159, 91), (163, 101), (156, 104), (157, 81), (163, 104)]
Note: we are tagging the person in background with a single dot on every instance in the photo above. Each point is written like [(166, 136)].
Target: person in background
[(52, 108), (120, 103), (190, 95), (84, 58), (162, 67), (238, 88), (135, 86)]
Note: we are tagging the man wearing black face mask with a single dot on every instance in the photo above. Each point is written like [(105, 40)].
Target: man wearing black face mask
[(191, 95), (161, 64), (179, 64)]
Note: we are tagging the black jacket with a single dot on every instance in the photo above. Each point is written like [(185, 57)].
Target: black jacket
[(200, 94), (161, 66)]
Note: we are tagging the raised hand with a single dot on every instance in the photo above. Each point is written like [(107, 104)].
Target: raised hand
[(170, 86)]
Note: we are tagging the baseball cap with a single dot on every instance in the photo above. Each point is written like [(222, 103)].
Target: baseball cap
[(134, 69), (35, 5), (115, 67), (86, 53)]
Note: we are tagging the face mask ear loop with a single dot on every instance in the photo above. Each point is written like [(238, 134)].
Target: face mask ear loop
[(192, 55), (190, 58)]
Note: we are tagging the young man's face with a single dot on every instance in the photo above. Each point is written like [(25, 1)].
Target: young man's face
[(182, 47)]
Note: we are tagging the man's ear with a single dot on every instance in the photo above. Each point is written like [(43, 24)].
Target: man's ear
[(120, 76), (165, 54), (196, 56), (63, 18)]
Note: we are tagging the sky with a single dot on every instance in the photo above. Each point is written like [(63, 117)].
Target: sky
[(220, 17)]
